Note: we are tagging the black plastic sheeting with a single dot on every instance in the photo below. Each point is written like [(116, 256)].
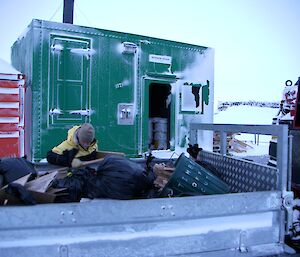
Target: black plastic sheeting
[(115, 177)]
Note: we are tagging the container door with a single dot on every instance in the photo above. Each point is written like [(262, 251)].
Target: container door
[(69, 98), (158, 119)]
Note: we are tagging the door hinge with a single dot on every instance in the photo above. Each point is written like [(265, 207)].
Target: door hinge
[(82, 112), (55, 111), (87, 52), (56, 47)]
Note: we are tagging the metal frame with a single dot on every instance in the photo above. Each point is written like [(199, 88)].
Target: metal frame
[(215, 225), (237, 224), (280, 131), (283, 159)]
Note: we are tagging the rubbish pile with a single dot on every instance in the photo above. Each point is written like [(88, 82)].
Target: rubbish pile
[(114, 177), (20, 185)]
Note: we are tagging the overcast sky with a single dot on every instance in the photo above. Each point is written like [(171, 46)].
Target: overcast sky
[(256, 42)]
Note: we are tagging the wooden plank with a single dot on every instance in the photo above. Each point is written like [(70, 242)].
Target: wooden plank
[(102, 154), (42, 183), (62, 172), (55, 190), (23, 180)]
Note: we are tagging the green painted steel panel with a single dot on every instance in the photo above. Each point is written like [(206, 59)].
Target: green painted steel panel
[(78, 74), (69, 84)]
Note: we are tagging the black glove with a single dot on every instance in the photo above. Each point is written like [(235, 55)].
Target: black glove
[(89, 157), (69, 155), (193, 150), (64, 159)]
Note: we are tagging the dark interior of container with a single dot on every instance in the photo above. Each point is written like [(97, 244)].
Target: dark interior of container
[(159, 116)]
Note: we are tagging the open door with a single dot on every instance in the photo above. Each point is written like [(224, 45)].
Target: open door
[(158, 116)]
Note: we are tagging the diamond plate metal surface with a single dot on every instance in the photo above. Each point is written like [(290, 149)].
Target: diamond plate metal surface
[(241, 175)]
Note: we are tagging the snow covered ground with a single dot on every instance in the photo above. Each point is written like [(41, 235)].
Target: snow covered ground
[(244, 114), (258, 145)]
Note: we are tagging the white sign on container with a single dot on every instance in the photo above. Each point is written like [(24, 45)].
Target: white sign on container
[(165, 59)]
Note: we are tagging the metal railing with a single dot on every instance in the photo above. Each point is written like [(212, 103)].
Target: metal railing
[(280, 131)]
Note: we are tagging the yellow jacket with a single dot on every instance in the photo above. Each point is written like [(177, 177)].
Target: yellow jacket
[(72, 143)]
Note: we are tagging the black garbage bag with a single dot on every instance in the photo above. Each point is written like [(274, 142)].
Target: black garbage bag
[(120, 178), (15, 168), (75, 183), (21, 193)]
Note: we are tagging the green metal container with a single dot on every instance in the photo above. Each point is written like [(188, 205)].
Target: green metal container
[(119, 82), (190, 178)]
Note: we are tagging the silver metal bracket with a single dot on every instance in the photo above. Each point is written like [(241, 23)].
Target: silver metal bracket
[(64, 251), (86, 112), (287, 205), (193, 135), (243, 242), (55, 111), (129, 48)]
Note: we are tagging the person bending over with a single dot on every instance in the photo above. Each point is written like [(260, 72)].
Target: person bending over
[(79, 146)]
